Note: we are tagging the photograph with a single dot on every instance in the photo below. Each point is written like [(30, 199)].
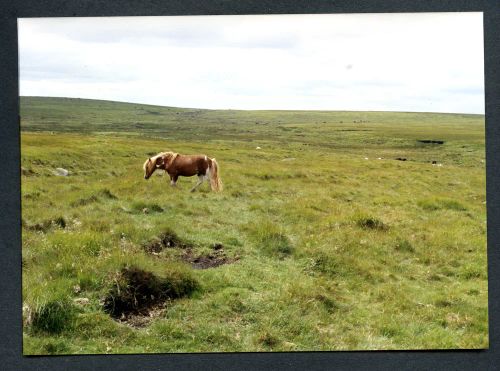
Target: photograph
[(253, 183)]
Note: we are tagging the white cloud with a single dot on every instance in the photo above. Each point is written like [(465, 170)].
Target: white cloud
[(398, 62)]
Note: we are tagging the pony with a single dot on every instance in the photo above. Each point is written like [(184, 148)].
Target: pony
[(176, 165)]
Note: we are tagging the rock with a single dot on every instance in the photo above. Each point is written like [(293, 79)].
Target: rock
[(258, 148), (81, 301), (61, 172)]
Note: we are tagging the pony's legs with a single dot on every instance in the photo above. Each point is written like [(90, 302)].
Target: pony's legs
[(198, 183), (173, 181)]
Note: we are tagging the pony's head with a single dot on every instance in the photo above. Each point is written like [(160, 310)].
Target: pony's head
[(161, 160), (152, 164)]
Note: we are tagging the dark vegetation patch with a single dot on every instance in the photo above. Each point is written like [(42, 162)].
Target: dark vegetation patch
[(295, 175), (442, 303), (340, 268), (39, 162), (353, 129), (237, 194), (167, 239), (469, 272), (28, 172), (44, 225), (56, 347), (318, 208), (146, 207), (430, 141), (217, 246), (368, 222), (59, 221), (404, 246), (329, 304), (32, 195), (435, 277), (85, 201), (106, 193), (268, 339), (137, 292), (330, 265), (53, 317)]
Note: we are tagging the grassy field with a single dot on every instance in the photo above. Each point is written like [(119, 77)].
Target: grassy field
[(321, 239)]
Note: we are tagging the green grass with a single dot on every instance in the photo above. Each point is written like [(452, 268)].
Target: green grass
[(328, 250)]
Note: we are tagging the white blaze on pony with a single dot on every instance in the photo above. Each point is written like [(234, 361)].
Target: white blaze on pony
[(176, 165)]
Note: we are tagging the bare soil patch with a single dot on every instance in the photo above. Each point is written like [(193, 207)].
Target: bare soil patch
[(167, 239), (137, 296), (214, 259)]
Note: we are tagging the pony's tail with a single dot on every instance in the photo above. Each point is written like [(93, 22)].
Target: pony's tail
[(215, 181)]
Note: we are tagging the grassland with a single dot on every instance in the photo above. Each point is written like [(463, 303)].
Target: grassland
[(330, 243)]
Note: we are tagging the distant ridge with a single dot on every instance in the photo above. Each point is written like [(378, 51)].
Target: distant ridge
[(232, 109)]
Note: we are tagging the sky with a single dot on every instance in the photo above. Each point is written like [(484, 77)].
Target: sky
[(419, 62)]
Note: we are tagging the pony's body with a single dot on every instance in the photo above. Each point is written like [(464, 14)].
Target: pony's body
[(177, 165), (189, 165)]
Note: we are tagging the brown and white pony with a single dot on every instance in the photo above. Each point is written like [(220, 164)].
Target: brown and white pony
[(177, 165)]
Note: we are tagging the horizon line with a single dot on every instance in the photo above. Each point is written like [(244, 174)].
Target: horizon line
[(240, 109)]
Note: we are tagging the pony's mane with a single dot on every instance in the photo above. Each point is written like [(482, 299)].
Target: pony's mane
[(173, 154), (155, 157)]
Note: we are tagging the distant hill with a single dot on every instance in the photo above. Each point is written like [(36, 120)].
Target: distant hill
[(88, 115)]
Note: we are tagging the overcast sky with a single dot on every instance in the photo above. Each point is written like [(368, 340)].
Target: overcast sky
[(385, 62)]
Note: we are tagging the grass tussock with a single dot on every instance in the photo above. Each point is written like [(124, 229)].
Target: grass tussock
[(166, 239), (107, 194), (84, 201), (330, 265), (53, 317), (369, 222), (432, 204), (46, 225), (271, 239), (405, 246), (267, 339)]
